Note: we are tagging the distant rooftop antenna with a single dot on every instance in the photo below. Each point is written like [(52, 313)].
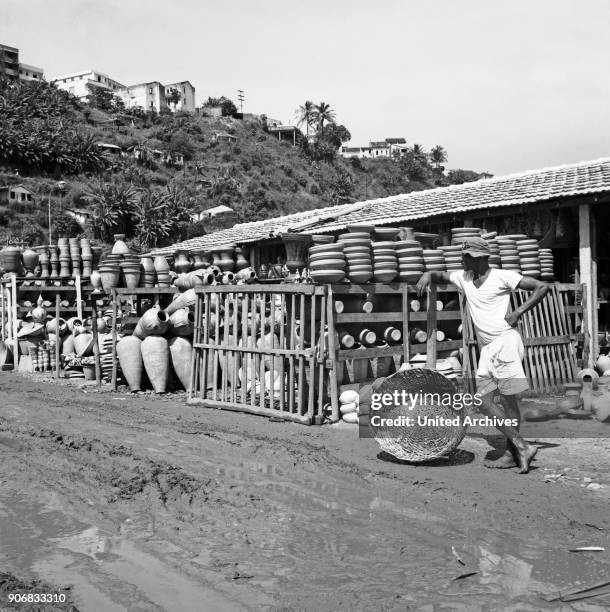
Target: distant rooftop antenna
[(241, 98)]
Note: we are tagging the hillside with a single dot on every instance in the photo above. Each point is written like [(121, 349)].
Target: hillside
[(47, 136)]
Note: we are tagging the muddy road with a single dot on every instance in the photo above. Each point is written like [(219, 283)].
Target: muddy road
[(145, 503)]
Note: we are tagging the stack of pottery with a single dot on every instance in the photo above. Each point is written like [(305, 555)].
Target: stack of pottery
[(223, 257), (434, 260), (131, 272), (147, 266), (357, 252), (453, 257), (529, 257), (54, 261), (546, 265), (11, 259), (327, 263), (30, 261), (75, 256), (110, 272), (385, 262), (461, 234), (86, 257), (509, 255), (410, 260), (182, 263), (427, 240), (241, 263), (162, 269), (495, 261), (319, 239), (387, 233), (43, 260), (65, 259)]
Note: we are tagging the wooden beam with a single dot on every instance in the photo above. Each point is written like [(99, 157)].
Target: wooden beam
[(586, 274)]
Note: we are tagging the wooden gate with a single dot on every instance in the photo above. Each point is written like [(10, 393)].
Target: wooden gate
[(261, 349)]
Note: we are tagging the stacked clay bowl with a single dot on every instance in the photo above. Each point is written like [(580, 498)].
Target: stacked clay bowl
[(386, 233), (385, 261), (529, 257), (327, 263), (509, 255), (453, 257), (546, 265), (360, 228), (357, 251), (427, 240), (459, 234), (410, 260), (495, 261), (434, 260)]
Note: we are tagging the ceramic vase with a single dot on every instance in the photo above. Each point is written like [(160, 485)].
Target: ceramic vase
[(131, 275), (154, 322), (188, 299), (96, 280), (11, 259), (182, 322), (148, 271), (198, 262), (129, 352), (182, 263), (155, 356), (109, 276), (54, 261), (68, 345), (43, 261), (162, 270), (119, 247), (180, 350), (30, 261), (297, 246), (240, 260)]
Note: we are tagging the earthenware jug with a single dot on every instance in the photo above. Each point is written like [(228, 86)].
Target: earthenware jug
[(182, 263), (129, 352), (184, 300), (240, 260), (119, 247), (155, 355), (182, 322), (180, 350), (30, 260), (83, 345), (154, 322)]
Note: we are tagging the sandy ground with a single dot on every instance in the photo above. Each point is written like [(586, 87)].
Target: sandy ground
[(144, 503)]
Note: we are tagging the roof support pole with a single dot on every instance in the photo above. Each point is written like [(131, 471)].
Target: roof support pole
[(588, 276)]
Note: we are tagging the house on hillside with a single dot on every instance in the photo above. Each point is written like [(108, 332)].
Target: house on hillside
[(223, 137), (289, 131), (15, 194), (380, 149), (79, 83), (388, 148), (225, 212), (111, 149), (147, 96), (359, 152), (187, 96)]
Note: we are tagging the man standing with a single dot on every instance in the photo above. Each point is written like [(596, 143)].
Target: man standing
[(487, 295)]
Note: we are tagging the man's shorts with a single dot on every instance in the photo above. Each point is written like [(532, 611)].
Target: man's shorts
[(500, 365)]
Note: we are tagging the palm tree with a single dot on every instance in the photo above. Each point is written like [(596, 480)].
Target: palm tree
[(324, 113), (306, 114), (111, 207), (438, 155), (418, 151)]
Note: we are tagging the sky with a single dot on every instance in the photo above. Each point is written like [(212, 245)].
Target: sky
[(503, 85)]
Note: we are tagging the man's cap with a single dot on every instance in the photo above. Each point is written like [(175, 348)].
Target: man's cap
[(476, 247)]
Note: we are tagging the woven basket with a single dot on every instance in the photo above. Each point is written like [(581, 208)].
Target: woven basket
[(417, 443)]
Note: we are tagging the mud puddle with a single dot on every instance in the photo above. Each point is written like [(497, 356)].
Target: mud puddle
[(105, 571)]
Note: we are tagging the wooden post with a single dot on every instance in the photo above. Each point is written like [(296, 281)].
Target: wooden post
[(57, 301), (96, 346), (3, 323), (586, 276), (15, 324), (79, 297), (431, 329), (115, 297)]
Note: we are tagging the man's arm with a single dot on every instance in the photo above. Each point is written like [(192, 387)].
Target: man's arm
[(427, 278), (539, 288)]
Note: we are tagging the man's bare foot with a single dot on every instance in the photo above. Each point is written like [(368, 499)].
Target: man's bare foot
[(505, 462), (524, 458)]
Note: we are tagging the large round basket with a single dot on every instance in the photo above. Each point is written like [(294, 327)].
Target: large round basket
[(430, 397)]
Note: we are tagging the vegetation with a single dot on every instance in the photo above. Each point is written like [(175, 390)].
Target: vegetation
[(146, 193)]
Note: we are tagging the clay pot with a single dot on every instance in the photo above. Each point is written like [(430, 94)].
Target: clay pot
[(120, 248), (223, 258), (96, 280), (54, 328), (39, 314), (129, 352), (188, 299), (43, 261), (199, 263), (64, 266), (68, 345), (161, 264), (296, 250), (109, 277), (155, 356), (228, 278), (601, 406), (30, 259), (154, 322), (11, 259), (148, 271), (246, 275), (131, 275), (240, 260), (96, 251), (83, 345), (182, 263), (603, 363), (183, 282), (182, 322), (102, 325), (54, 260), (180, 350)]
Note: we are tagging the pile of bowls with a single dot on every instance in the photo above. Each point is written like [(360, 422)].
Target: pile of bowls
[(357, 251), (495, 261), (385, 261), (434, 260), (453, 257), (546, 265), (327, 263), (529, 257), (386, 233), (427, 240), (410, 260), (460, 234), (509, 255)]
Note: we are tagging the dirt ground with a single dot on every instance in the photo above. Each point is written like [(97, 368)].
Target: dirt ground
[(136, 502)]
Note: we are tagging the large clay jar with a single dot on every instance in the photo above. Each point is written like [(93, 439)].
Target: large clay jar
[(30, 260), (198, 261), (131, 274), (162, 270), (296, 250), (240, 260), (68, 345), (180, 351), (74, 325), (54, 328), (154, 322), (183, 282), (54, 260), (83, 345), (182, 322), (43, 261), (182, 263), (155, 355), (188, 299), (129, 353), (226, 262), (119, 247), (11, 259), (148, 270), (246, 275), (96, 251), (110, 276)]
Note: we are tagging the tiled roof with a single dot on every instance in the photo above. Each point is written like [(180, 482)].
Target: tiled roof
[(512, 190)]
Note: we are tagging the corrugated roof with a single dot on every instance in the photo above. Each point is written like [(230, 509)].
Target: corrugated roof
[(512, 190)]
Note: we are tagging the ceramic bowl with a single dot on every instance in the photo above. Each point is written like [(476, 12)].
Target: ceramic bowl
[(356, 249), (400, 244), (386, 233), (409, 277), (384, 244), (326, 248), (384, 276), (328, 276), (356, 235), (328, 264), (359, 277), (362, 261), (360, 268), (360, 228)]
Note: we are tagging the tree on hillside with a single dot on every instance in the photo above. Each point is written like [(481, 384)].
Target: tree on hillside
[(173, 97), (324, 113), (104, 99), (419, 151), (227, 106), (438, 156), (111, 206), (306, 114)]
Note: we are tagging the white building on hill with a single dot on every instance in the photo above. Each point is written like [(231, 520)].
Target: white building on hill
[(78, 83)]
